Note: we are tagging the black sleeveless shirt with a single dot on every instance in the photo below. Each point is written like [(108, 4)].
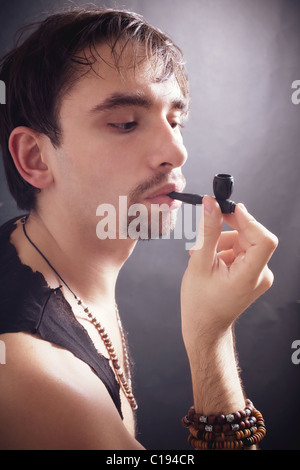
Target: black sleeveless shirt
[(28, 304)]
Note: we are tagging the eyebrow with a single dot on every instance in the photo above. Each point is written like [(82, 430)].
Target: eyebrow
[(119, 100)]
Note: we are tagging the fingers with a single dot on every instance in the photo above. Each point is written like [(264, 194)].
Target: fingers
[(262, 243), (228, 256), (209, 232), (249, 238), (257, 245), (265, 280), (228, 240)]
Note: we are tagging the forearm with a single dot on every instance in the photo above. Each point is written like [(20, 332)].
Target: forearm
[(217, 391), (216, 383)]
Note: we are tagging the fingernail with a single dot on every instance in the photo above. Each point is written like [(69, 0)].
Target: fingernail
[(241, 205)]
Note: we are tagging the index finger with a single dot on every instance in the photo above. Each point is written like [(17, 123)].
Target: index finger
[(262, 243)]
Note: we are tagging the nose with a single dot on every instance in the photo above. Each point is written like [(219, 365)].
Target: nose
[(167, 150)]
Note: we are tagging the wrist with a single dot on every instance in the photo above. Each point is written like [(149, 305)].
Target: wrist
[(207, 341), (204, 329)]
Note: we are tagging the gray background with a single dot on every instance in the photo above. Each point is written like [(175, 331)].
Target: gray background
[(242, 57)]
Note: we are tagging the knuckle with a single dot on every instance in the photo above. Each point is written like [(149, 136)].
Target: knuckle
[(262, 282), (267, 279), (271, 241)]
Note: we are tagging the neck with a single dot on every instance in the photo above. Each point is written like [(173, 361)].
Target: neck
[(88, 265)]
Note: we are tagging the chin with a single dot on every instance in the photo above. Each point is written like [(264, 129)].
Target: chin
[(154, 227)]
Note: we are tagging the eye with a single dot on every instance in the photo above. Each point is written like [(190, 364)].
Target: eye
[(174, 125), (124, 126), (177, 120)]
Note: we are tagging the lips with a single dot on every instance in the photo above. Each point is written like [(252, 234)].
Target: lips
[(166, 189), (160, 195)]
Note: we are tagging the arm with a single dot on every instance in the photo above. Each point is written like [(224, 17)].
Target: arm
[(50, 400), (226, 273)]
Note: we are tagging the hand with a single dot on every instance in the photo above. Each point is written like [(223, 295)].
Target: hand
[(226, 272)]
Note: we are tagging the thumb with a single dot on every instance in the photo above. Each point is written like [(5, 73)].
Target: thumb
[(209, 231)]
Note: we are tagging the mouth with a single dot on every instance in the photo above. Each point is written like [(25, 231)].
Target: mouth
[(160, 195)]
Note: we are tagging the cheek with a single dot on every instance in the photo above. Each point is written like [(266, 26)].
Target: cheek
[(90, 177), (117, 166), (94, 165)]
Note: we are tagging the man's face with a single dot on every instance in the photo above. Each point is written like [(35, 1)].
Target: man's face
[(120, 137)]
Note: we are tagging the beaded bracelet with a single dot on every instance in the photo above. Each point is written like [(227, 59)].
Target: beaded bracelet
[(199, 420), (225, 428), (237, 433)]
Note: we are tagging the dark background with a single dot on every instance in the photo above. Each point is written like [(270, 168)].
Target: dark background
[(242, 57)]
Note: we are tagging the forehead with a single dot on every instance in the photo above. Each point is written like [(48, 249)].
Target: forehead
[(130, 72)]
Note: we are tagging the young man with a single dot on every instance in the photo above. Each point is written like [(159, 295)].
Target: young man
[(95, 101)]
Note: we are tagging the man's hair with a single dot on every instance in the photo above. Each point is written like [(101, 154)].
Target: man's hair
[(40, 69)]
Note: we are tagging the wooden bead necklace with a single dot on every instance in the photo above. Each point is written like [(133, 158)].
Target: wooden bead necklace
[(123, 377)]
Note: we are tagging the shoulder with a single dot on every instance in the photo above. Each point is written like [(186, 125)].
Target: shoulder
[(51, 400), (22, 292)]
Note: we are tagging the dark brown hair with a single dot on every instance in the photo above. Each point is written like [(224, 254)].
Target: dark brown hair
[(38, 71)]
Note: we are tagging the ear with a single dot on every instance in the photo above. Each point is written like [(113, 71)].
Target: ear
[(25, 146)]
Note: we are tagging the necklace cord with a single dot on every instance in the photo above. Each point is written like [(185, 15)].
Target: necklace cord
[(23, 221), (125, 382)]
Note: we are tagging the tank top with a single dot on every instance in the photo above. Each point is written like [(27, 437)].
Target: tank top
[(28, 304)]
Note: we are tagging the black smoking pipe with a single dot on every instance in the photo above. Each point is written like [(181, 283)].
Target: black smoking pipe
[(222, 186)]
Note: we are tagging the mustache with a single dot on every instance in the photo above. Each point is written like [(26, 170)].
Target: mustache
[(157, 180)]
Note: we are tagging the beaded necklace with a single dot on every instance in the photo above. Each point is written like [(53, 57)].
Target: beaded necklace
[(124, 378)]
